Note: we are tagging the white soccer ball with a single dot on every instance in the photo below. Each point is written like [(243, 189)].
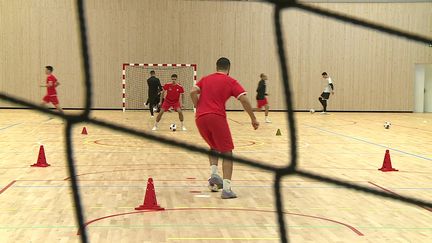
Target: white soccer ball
[(312, 111), (387, 125), (173, 127)]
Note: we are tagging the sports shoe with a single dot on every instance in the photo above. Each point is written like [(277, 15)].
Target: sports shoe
[(324, 113), (184, 128), (267, 120), (151, 117), (215, 183), (228, 194), (154, 128)]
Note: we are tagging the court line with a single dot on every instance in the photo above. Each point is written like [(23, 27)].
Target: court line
[(4, 128), (170, 168), (394, 193), (223, 238), (368, 142), (356, 231), (7, 186), (202, 186)]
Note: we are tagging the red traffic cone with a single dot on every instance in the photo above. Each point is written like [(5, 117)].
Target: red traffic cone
[(387, 165), (41, 162), (150, 202), (84, 131)]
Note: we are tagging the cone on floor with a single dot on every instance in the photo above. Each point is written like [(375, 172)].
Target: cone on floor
[(84, 131), (387, 165), (41, 161), (278, 133), (150, 202)]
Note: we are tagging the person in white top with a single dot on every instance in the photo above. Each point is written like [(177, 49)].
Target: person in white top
[(325, 95)]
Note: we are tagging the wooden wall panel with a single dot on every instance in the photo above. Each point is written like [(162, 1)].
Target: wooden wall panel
[(372, 71)]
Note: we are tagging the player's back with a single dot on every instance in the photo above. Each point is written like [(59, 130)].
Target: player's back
[(51, 90), (215, 90)]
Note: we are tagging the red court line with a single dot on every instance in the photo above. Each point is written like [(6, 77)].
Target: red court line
[(356, 231), (169, 168), (6, 187), (394, 193)]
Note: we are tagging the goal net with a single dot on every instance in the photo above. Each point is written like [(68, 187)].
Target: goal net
[(135, 88)]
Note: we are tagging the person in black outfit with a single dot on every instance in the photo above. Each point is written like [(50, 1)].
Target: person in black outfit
[(261, 96), (154, 91)]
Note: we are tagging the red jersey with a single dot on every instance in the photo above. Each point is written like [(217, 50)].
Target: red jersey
[(215, 90), (52, 89), (173, 92)]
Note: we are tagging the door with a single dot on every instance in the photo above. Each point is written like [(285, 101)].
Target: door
[(428, 88)]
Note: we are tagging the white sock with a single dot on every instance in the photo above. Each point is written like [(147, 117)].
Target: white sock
[(226, 185), (182, 124), (214, 169), (156, 124)]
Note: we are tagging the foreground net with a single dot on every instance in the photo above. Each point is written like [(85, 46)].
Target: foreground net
[(279, 173)]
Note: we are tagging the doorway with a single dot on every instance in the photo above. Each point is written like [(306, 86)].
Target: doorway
[(423, 88)]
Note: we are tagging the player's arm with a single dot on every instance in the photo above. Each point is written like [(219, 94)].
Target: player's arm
[(49, 84), (248, 108), (57, 84), (194, 95)]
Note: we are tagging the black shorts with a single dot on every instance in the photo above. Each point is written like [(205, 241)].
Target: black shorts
[(325, 95)]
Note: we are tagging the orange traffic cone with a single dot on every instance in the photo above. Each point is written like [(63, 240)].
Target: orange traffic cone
[(41, 161), (387, 165), (84, 131), (150, 202)]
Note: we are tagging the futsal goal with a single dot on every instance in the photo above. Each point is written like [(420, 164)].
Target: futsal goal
[(134, 82)]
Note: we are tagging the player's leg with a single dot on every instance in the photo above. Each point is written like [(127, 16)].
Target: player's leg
[(54, 100), (165, 107), (321, 100), (58, 107), (45, 101), (204, 123), (180, 113), (223, 142), (215, 181), (158, 118), (266, 107), (151, 105)]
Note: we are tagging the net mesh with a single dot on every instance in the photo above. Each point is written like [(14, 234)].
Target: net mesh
[(279, 172), (137, 88)]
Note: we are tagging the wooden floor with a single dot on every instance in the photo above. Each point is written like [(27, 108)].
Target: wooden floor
[(36, 203)]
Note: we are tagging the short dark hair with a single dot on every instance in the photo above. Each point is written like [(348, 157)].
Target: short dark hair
[(324, 73), (262, 75), (174, 76), (50, 68), (152, 72), (223, 63)]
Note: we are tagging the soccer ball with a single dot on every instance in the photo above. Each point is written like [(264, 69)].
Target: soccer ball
[(173, 127), (387, 125), (312, 111)]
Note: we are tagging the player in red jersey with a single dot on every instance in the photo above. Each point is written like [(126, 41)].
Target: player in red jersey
[(51, 85), (173, 92), (214, 90)]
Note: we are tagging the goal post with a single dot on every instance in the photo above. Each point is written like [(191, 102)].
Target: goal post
[(134, 82)]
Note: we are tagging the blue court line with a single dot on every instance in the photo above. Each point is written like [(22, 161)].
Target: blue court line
[(201, 186), (372, 143), (4, 128)]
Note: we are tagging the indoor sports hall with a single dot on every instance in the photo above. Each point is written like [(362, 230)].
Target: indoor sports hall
[(215, 121)]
